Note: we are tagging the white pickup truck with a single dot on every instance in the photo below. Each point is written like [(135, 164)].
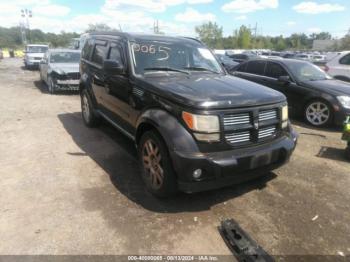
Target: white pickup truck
[(339, 66)]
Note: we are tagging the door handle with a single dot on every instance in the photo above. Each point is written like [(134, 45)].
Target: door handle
[(96, 77)]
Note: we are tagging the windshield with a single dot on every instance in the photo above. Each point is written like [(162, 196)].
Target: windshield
[(175, 57), (65, 57), (37, 49), (308, 72)]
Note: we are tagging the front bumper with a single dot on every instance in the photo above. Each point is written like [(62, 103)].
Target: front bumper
[(67, 85), (340, 116), (32, 62), (222, 169)]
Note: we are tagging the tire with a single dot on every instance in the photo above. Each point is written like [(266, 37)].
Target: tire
[(50, 85), (88, 113), (158, 173), (318, 113), (347, 152)]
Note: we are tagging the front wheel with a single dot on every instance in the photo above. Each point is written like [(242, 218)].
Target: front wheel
[(318, 113), (90, 118), (50, 85), (158, 173)]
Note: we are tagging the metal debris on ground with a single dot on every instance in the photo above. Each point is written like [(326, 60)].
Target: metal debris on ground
[(243, 247)]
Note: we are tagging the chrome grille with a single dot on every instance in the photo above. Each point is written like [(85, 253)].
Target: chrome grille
[(137, 92), (74, 76), (268, 115), (237, 119), (238, 137), (254, 126), (267, 132)]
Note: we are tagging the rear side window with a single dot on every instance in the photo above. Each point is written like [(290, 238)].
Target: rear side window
[(87, 49), (345, 60), (99, 54), (256, 67), (275, 70), (242, 67)]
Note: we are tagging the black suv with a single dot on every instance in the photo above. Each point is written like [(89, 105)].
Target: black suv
[(195, 127)]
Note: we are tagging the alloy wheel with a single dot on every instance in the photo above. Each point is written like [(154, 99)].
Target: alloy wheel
[(318, 113), (151, 158)]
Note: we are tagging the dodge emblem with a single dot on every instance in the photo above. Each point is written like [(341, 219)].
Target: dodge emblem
[(256, 125)]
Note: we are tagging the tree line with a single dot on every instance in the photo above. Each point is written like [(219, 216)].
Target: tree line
[(212, 35), (12, 37)]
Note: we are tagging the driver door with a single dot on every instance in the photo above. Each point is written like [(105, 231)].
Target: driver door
[(291, 90), (118, 88)]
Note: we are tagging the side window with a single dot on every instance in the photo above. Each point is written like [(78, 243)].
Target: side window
[(115, 54), (87, 49), (242, 67), (256, 67), (275, 70), (345, 60), (99, 54)]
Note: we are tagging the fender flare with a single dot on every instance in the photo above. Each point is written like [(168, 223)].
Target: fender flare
[(175, 135)]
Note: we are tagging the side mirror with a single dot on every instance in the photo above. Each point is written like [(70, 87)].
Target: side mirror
[(113, 67), (284, 79)]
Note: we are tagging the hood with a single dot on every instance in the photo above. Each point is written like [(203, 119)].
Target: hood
[(213, 91), (35, 55), (65, 68), (333, 87)]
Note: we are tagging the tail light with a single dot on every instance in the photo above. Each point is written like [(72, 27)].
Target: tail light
[(326, 68)]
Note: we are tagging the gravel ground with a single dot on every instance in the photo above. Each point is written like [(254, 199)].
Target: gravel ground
[(67, 189)]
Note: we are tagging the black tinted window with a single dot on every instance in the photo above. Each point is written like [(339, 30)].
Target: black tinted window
[(99, 54), (85, 53), (275, 70), (242, 67), (345, 60), (115, 54), (256, 67)]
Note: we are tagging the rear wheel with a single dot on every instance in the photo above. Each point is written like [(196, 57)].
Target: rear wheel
[(158, 173), (90, 117), (318, 113)]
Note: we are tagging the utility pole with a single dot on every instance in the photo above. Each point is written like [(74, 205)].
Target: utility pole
[(26, 14), (255, 30), (156, 27)]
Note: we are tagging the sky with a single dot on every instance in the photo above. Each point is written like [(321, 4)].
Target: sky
[(179, 17)]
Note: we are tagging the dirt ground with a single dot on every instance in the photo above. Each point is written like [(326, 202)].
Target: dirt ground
[(68, 189)]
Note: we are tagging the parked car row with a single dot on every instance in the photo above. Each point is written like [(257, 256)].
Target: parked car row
[(59, 68)]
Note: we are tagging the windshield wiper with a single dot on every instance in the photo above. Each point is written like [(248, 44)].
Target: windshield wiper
[(195, 68), (165, 69)]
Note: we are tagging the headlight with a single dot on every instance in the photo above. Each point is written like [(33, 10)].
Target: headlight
[(201, 123), (344, 101), (284, 113)]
